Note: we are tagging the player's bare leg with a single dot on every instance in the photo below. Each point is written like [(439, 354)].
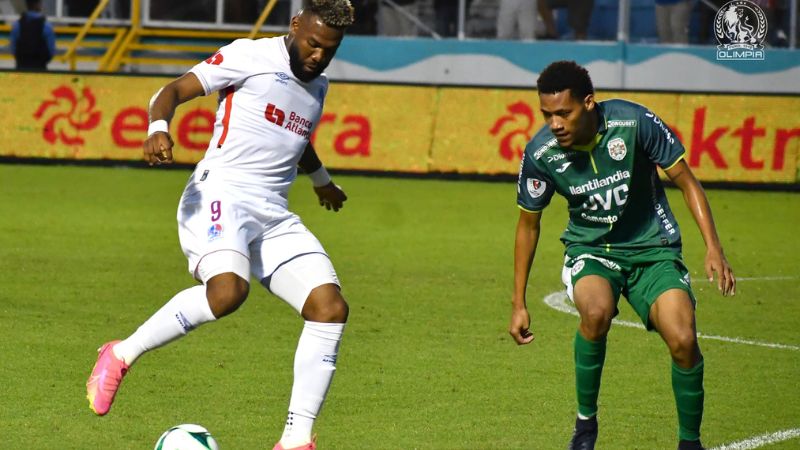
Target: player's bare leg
[(673, 316), (596, 305), (226, 292)]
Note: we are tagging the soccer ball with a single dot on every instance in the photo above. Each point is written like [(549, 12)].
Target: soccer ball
[(186, 437)]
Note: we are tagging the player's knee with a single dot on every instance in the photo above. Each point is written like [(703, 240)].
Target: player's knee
[(596, 321), (683, 347), (334, 311), (226, 293), (683, 343), (326, 304)]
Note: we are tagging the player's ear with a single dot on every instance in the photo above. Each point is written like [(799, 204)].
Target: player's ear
[(294, 24), (588, 102)]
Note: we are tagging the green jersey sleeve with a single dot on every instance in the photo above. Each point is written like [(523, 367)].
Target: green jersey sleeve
[(658, 141), (534, 186)]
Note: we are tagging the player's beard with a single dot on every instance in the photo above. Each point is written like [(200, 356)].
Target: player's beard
[(297, 66)]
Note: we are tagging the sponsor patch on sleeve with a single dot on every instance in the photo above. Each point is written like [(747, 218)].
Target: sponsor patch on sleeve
[(536, 187)]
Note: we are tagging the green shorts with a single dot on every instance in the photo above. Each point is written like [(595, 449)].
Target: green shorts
[(640, 276)]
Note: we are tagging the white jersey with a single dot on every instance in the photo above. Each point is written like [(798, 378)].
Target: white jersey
[(265, 115)]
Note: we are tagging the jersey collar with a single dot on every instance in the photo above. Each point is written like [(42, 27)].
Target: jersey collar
[(602, 127)]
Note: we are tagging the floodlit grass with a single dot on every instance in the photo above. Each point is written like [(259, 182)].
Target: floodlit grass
[(87, 254)]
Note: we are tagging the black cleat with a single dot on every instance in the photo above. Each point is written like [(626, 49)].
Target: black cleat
[(683, 444), (584, 435)]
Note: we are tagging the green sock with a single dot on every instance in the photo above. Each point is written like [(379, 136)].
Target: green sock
[(589, 359), (687, 384)]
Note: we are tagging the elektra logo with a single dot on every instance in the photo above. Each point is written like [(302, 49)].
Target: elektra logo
[(740, 27)]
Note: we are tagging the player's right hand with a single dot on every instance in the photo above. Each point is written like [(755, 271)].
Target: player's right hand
[(331, 196), (519, 329), (157, 148), (717, 263)]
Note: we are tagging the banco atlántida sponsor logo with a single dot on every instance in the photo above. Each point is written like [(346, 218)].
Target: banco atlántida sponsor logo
[(294, 122)]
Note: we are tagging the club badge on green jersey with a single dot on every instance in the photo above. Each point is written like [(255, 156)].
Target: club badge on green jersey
[(617, 149)]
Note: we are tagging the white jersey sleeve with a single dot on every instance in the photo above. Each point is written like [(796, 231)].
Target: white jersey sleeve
[(229, 66)]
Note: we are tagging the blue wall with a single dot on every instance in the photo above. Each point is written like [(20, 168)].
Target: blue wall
[(613, 65)]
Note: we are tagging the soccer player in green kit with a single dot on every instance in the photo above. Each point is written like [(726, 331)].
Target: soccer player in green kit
[(622, 237)]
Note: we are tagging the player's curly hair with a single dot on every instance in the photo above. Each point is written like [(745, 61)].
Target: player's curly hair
[(334, 13), (562, 75)]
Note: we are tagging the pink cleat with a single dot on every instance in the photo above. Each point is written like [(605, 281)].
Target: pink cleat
[(310, 446), (105, 379)]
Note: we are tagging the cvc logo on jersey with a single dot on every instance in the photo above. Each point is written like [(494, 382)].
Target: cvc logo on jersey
[(740, 27)]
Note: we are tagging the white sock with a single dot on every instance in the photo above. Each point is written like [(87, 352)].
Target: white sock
[(184, 312), (314, 365)]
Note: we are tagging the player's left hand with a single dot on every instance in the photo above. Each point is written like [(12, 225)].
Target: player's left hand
[(519, 327), (717, 263), (330, 196)]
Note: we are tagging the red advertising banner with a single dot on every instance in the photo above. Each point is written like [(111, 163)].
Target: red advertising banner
[(738, 138), (93, 117)]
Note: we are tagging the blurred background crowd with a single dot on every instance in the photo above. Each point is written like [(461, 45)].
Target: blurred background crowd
[(650, 21)]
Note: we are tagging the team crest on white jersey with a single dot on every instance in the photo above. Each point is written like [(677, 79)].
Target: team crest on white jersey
[(214, 232), (536, 187), (617, 149)]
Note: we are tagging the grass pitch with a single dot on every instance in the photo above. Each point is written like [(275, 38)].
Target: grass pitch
[(87, 254)]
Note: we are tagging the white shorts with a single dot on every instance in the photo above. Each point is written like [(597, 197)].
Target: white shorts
[(566, 278), (213, 217)]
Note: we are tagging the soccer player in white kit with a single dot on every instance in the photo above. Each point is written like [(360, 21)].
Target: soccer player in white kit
[(233, 218)]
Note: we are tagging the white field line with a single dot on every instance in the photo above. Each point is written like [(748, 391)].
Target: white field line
[(560, 302), (760, 441), (766, 278)]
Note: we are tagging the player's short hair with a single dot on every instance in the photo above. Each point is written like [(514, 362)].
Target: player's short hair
[(334, 13), (562, 75)]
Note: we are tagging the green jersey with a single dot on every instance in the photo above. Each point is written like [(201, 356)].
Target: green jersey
[(615, 197)]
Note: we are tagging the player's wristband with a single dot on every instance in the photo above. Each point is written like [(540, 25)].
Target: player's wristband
[(156, 126), (320, 177)]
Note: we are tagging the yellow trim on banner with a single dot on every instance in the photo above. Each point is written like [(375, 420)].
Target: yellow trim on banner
[(415, 129)]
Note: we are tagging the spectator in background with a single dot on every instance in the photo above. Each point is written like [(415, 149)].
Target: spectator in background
[(446, 17), (33, 41), (80, 8), (777, 12), (707, 16), (579, 12), (393, 18), (446, 13), (516, 18), (672, 21), (366, 22), (194, 11)]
